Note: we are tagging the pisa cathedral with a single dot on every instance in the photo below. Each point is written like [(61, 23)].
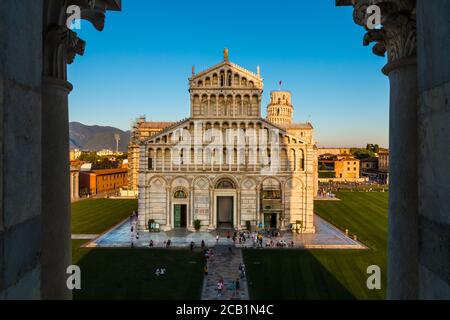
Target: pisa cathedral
[(225, 165)]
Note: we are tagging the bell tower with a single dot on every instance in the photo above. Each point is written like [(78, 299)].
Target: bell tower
[(280, 110)]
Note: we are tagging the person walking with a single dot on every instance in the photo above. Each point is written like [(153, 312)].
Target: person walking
[(205, 269), (220, 287), (203, 245)]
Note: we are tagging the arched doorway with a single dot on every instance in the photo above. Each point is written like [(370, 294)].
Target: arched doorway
[(180, 209), (271, 201), (225, 203)]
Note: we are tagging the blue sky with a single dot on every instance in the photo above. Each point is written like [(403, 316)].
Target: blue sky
[(140, 63)]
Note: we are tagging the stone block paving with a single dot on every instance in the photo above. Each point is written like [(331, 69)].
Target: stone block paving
[(224, 265)]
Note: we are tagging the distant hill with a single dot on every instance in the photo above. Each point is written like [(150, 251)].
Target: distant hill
[(96, 138)]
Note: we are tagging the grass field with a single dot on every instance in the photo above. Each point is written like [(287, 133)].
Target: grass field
[(128, 273), (98, 215), (330, 274), (273, 274)]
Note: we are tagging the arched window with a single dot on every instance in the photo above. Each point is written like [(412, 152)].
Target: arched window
[(180, 194), (225, 184)]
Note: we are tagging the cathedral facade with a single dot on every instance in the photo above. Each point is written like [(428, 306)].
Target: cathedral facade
[(225, 166)]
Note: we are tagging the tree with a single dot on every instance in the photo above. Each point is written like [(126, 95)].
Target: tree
[(363, 153)]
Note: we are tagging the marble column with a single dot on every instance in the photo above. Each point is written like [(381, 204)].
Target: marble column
[(396, 39), (77, 185), (56, 240), (61, 45), (71, 178)]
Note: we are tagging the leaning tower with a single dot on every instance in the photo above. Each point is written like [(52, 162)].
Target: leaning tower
[(280, 109)]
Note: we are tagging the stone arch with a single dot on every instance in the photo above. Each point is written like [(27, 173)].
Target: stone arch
[(176, 193), (155, 179), (270, 181), (226, 177), (180, 181)]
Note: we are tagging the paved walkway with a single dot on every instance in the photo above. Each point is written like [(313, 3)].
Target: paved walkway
[(326, 237), (224, 265)]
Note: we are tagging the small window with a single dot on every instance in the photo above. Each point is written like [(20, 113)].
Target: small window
[(150, 163)]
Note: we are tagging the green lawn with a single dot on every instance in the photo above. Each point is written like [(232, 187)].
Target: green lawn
[(98, 215), (329, 274), (273, 274), (128, 273)]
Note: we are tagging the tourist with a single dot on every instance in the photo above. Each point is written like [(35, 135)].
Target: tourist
[(219, 287), (232, 288), (217, 238), (151, 244), (237, 285), (203, 245), (162, 271), (228, 235), (205, 270), (192, 245), (157, 272), (230, 250), (168, 243)]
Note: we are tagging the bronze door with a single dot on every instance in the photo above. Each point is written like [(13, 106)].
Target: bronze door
[(225, 212)]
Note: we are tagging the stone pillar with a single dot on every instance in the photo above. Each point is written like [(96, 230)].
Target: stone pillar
[(61, 45), (56, 241), (403, 216), (71, 185), (397, 39), (433, 41), (77, 185)]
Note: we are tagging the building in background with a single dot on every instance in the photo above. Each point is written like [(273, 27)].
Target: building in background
[(210, 184), (334, 151), (105, 181), (74, 154), (383, 166), (369, 168), (140, 131), (342, 167)]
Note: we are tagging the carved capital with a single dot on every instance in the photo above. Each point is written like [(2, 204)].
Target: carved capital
[(397, 35), (61, 45)]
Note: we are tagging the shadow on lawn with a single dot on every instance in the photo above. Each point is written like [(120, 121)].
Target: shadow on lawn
[(292, 275), (119, 273)]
